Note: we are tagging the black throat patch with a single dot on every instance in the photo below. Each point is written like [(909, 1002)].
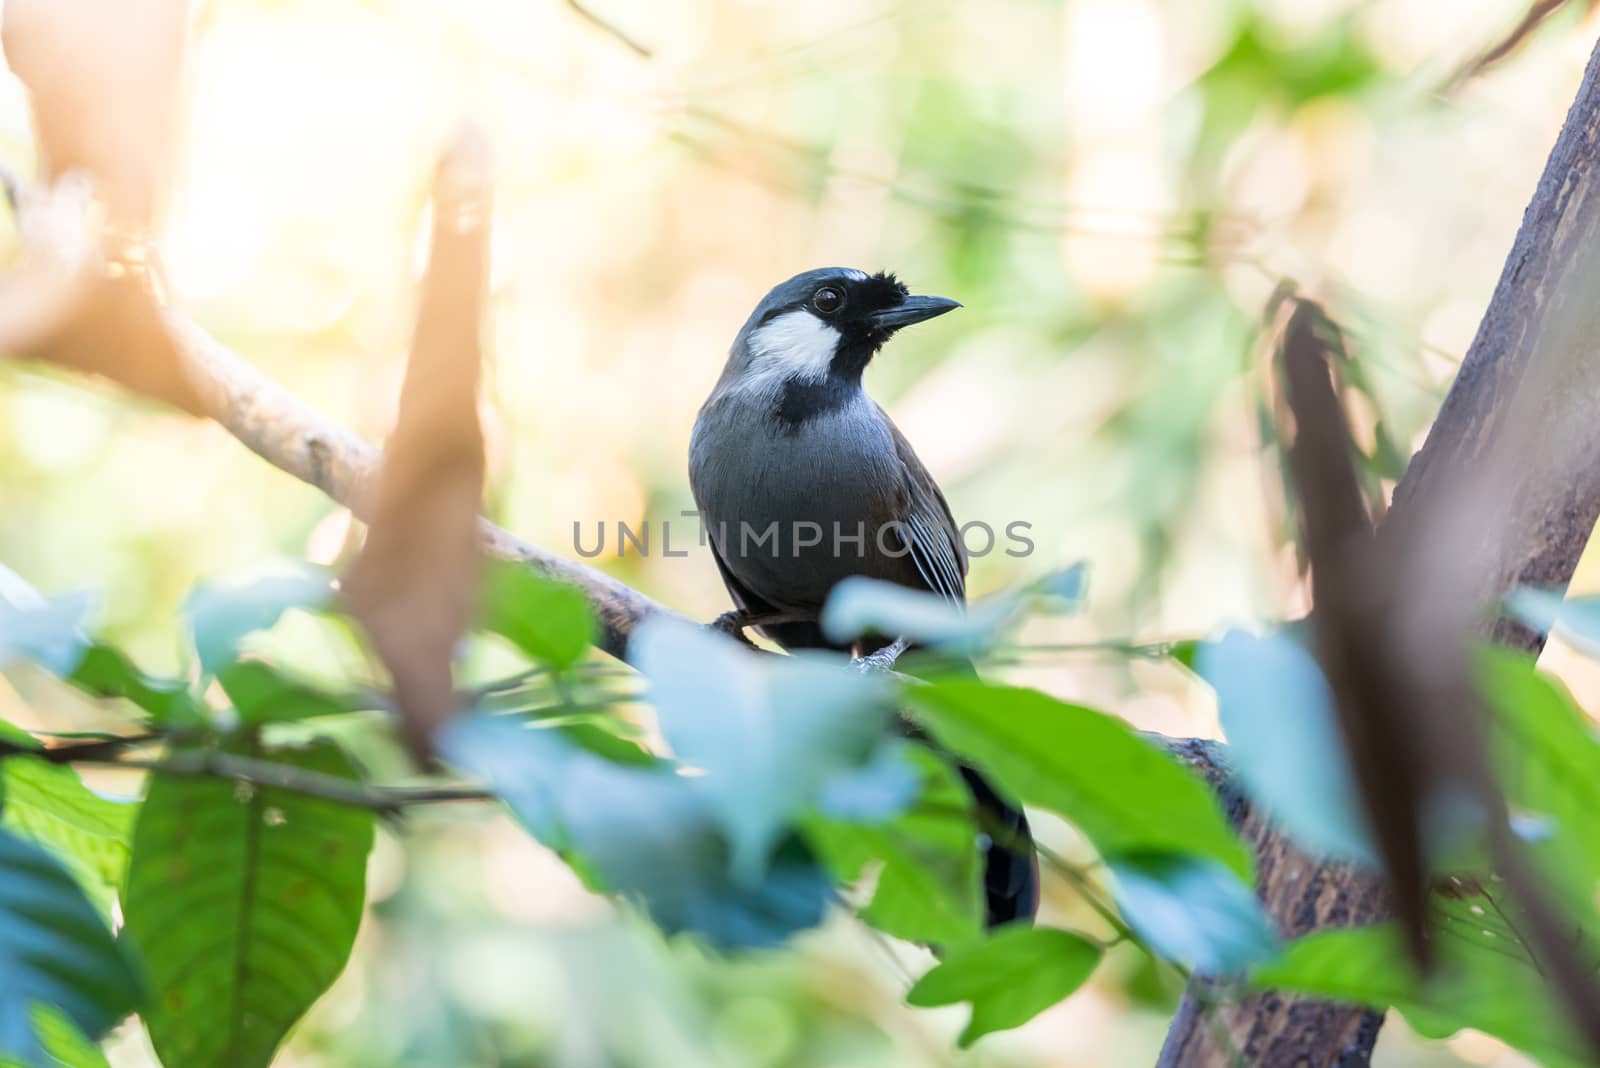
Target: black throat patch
[(803, 399)]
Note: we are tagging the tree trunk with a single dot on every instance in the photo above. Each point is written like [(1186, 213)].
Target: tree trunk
[(1536, 349)]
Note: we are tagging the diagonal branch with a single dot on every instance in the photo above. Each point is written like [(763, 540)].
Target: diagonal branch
[(292, 436)]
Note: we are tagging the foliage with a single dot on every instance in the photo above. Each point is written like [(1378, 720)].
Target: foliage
[(1010, 978), (243, 903)]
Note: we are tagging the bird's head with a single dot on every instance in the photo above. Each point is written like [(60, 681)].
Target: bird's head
[(827, 323)]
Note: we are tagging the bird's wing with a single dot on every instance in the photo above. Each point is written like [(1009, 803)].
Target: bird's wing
[(930, 530), (743, 599)]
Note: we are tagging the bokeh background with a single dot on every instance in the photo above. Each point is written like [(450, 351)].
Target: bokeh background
[(1113, 188)]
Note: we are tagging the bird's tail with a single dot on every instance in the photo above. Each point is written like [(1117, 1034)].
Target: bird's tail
[(1011, 863)]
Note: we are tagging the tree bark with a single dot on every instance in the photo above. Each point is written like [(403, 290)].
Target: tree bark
[(1530, 384)]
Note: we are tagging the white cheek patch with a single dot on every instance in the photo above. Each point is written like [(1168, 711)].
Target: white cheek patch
[(794, 345)]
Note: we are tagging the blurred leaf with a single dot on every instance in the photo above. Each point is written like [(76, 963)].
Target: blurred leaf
[(1485, 977), (1009, 978), (549, 621), (244, 903), (860, 605), (55, 951), (1124, 793), (603, 741), (1284, 742), (105, 78), (1577, 618), (878, 790), (1257, 72), (768, 732), (414, 583), (50, 633), (50, 804), (262, 693), (1069, 587), (1192, 910), (1548, 759), (63, 1044), (106, 671), (222, 616), (646, 833), (54, 635), (929, 872)]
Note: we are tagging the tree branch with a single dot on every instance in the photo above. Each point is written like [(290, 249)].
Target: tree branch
[(294, 437), (212, 764), (1528, 386)]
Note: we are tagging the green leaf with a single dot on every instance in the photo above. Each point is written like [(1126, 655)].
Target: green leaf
[(929, 872), (105, 671), (262, 693), (1192, 910), (50, 804), (549, 621), (1010, 978), (1548, 759), (244, 903), (1485, 977), (767, 732), (222, 616), (55, 950), (1284, 743), (1090, 768)]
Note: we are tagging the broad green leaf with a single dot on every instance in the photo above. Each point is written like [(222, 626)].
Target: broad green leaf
[(243, 903), (105, 671), (1009, 978), (262, 693), (644, 833), (56, 951), (767, 732), (549, 621), (1485, 977), (1124, 793), (1283, 740), (50, 804), (928, 870), (1192, 910), (221, 616)]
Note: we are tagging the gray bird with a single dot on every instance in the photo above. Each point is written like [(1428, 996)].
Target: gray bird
[(802, 481)]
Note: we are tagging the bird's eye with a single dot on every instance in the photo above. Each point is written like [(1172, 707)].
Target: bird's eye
[(827, 299)]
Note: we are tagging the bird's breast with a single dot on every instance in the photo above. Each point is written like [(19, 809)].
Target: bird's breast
[(793, 507)]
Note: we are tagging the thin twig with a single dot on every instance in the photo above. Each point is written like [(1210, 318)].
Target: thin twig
[(610, 28), (265, 773)]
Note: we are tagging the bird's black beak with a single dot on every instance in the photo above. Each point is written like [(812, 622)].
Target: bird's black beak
[(912, 310)]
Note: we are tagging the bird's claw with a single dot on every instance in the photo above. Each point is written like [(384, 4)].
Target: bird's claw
[(883, 660), (732, 624)]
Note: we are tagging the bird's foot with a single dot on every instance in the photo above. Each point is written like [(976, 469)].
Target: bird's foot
[(732, 624), (883, 660)]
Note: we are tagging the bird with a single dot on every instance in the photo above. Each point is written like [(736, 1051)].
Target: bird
[(801, 480)]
